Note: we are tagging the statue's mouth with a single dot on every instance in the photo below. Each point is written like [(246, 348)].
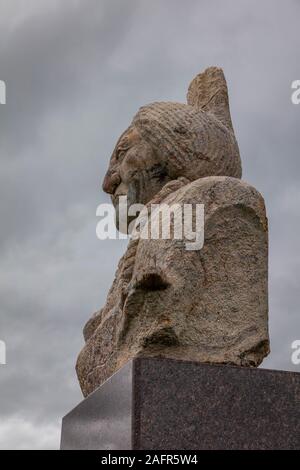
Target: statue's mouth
[(113, 198)]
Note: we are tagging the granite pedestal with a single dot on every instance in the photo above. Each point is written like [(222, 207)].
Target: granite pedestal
[(157, 403)]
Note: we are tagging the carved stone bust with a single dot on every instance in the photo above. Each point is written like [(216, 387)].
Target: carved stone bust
[(209, 305)]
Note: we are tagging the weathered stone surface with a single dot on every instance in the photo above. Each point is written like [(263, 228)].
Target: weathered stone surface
[(209, 305)]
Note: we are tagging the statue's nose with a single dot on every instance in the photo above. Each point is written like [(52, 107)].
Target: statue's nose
[(111, 182)]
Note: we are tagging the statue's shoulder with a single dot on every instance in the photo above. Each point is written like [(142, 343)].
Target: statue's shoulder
[(217, 192)]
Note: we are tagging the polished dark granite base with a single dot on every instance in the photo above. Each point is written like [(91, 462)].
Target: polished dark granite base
[(103, 419), (156, 403)]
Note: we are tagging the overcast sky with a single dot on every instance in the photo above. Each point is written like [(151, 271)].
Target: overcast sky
[(76, 72)]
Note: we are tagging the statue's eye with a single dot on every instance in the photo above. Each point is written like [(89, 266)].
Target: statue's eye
[(120, 153)]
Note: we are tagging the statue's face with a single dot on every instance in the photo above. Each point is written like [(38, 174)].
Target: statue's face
[(135, 171)]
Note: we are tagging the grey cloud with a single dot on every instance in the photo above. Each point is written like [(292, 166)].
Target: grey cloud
[(76, 73)]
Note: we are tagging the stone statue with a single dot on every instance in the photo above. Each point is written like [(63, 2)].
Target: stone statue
[(208, 305)]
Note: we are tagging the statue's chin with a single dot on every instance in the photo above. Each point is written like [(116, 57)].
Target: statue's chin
[(124, 226), (123, 221)]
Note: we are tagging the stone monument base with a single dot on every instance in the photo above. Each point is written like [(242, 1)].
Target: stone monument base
[(165, 404)]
